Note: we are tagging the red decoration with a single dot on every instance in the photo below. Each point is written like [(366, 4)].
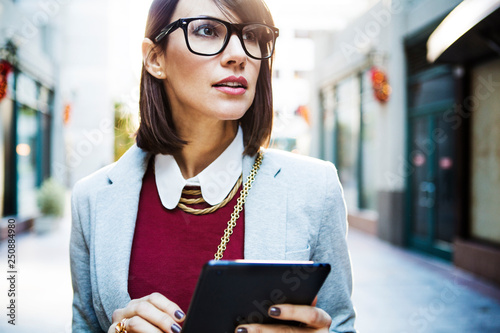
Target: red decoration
[(67, 113), (303, 111), (5, 69), (381, 87)]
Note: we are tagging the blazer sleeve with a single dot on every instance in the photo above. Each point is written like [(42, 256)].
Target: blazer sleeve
[(331, 246), (84, 316)]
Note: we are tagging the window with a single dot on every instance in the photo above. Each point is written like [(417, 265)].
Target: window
[(349, 137), (348, 113), (368, 137), (32, 143), (27, 157)]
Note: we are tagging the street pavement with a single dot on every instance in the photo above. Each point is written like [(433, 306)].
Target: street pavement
[(395, 290), (44, 282)]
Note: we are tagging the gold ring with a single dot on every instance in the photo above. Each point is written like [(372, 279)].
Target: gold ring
[(121, 326)]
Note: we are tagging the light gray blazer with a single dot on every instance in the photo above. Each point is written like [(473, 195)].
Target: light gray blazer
[(295, 210)]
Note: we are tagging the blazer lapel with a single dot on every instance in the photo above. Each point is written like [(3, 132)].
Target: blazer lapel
[(116, 213), (265, 212)]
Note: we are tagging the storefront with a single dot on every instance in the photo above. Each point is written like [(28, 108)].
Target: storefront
[(433, 188), (422, 168), (468, 40), (26, 120)]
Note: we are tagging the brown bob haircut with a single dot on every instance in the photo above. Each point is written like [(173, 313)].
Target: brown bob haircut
[(156, 133)]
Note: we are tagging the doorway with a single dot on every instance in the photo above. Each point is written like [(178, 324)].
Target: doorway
[(432, 181)]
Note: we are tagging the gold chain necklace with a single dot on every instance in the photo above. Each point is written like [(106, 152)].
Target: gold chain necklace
[(238, 207)]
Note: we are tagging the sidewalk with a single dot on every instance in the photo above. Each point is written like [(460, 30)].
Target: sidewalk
[(44, 282), (394, 290)]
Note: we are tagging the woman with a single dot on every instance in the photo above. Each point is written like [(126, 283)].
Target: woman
[(144, 226)]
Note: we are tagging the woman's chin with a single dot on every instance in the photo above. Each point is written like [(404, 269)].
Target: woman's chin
[(231, 112)]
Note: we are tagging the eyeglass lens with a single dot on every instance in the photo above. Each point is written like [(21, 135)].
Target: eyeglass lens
[(207, 37)]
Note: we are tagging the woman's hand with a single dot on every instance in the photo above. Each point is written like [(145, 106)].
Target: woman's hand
[(313, 319), (152, 313)]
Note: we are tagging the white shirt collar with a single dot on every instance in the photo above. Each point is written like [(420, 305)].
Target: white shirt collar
[(216, 180)]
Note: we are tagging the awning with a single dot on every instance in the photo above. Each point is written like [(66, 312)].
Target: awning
[(469, 32)]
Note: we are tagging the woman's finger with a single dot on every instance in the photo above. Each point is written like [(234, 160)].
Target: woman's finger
[(259, 328), (311, 316), (154, 309), (315, 320), (131, 325), (153, 315), (138, 324), (167, 306)]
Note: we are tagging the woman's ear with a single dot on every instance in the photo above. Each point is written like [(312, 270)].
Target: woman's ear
[(152, 60)]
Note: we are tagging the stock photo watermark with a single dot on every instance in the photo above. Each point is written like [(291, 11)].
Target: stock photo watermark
[(364, 36), (29, 26), (293, 279), (92, 139), (421, 319), (12, 273)]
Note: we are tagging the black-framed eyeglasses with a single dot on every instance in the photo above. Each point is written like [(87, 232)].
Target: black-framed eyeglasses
[(207, 36)]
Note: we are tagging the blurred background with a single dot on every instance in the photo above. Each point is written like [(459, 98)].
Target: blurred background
[(402, 95)]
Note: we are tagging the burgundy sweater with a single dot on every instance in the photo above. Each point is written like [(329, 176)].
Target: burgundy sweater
[(171, 246)]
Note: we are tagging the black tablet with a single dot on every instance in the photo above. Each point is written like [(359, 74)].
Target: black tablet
[(231, 293)]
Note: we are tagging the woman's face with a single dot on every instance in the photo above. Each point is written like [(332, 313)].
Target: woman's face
[(192, 80)]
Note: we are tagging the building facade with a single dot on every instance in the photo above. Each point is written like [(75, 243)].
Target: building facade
[(57, 115), (29, 83), (415, 140)]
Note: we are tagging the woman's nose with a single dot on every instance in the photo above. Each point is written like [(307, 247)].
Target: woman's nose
[(234, 54)]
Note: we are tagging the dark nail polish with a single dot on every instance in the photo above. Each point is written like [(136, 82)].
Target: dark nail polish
[(176, 328), (179, 314), (242, 330), (275, 312)]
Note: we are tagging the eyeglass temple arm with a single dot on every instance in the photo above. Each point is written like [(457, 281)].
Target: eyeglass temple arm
[(165, 31)]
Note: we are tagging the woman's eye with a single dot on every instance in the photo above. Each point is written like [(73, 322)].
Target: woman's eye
[(250, 36), (207, 31)]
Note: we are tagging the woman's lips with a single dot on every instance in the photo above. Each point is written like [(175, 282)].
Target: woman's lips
[(231, 90), (232, 85)]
